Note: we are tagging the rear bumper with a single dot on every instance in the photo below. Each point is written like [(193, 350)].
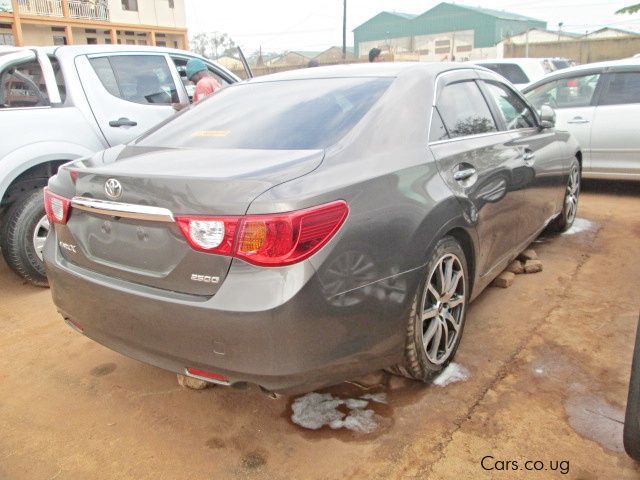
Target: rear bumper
[(270, 327)]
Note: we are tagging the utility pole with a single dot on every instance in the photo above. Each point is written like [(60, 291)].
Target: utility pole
[(344, 30)]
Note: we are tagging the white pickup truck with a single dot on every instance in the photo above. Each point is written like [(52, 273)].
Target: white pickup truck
[(61, 103)]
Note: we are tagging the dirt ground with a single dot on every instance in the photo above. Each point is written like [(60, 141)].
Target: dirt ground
[(548, 359)]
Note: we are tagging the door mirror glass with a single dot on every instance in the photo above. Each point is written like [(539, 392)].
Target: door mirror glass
[(547, 117)]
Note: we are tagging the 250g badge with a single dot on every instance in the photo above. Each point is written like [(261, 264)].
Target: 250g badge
[(204, 278)]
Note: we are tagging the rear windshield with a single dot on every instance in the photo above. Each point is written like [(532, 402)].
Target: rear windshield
[(510, 71), (284, 115)]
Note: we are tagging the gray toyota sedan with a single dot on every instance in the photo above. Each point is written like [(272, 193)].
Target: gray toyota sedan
[(302, 228)]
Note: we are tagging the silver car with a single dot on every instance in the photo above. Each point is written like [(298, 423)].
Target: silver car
[(301, 228), (599, 104)]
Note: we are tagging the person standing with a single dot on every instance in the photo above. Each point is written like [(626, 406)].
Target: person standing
[(374, 55), (206, 83)]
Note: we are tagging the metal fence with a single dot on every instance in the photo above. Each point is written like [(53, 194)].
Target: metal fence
[(97, 10)]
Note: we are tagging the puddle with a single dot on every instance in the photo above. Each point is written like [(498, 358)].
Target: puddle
[(596, 419), (363, 408), (580, 225), (316, 410)]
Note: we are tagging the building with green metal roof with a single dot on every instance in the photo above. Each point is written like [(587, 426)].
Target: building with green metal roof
[(474, 27)]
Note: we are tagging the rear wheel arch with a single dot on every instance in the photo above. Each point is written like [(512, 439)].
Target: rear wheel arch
[(29, 180), (468, 247)]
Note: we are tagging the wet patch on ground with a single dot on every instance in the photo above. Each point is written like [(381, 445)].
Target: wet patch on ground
[(361, 409), (104, 369), (596, 419)]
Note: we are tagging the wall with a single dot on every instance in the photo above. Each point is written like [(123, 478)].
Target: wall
[(150, 12), (538, 36), (38, 35), (582, 51)]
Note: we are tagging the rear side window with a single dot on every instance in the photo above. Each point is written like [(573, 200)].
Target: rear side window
[(568, 92), (142, 79), (510, 71), (514, 111), (464, 110), (22, 85), (623, 88), (285, 115)]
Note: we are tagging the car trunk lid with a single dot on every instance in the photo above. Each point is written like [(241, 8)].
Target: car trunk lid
[(131, 233)]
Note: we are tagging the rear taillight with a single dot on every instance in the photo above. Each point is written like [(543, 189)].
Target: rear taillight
[(57, 207), (211, 235), (266, 240)]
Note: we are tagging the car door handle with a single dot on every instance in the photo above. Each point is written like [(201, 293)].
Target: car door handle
[(464, 174), (122, 122), (578, 120)]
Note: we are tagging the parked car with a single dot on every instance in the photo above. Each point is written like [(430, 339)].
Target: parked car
[(599, 104), (62, 103), (304, 227), (522, 71)]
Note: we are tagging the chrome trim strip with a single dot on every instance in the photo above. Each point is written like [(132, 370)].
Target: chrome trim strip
[(125, 210)]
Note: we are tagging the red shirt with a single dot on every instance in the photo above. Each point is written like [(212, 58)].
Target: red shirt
[(206, 86)]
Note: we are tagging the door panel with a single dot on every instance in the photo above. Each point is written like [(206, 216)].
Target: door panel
[(615, 143), (128, 94), (573, 97), (540, 173), (541, 177), (492, 194)]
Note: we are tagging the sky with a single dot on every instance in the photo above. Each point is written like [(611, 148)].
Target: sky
[(279, 25)]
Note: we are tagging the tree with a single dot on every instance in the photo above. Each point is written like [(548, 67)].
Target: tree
[(212, 44), (630, 9)]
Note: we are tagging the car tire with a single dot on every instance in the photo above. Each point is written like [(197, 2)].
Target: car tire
[(565, 219), (17, 238), (429, 346), (631, 436)]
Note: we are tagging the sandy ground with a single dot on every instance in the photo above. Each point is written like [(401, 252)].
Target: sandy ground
[(548, 360)]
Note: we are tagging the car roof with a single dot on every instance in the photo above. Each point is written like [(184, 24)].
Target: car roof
[(625, 62), (376, 69)]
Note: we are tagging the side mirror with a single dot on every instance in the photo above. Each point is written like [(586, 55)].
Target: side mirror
[(547, 117)]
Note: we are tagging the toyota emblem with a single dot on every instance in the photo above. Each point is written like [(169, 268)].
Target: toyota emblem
[(113, 188)]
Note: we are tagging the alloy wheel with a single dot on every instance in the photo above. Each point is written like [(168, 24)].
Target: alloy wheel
[(40, 235), (573, 190), (442, 308)]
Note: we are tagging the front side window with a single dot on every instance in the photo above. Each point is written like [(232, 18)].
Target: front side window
[(464, 110), (181, 66), (514, 112), (569, 92), (285, 115), (23, 86), (623, 88), (142, 79)]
